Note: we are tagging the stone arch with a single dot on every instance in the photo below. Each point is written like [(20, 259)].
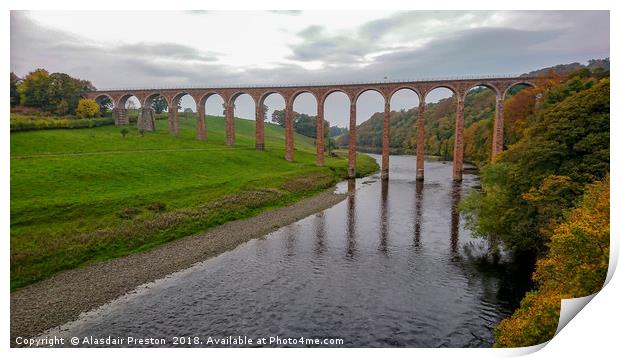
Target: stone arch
[(148, 99), (487, 94), (98, 96), (443, 148), (487, 85), (385, 132), (336, 90), (122, 100), (405, 87), (146, 118), (175, 102), (368, 89), (524, 83), (263, 96), (326, 107), (238, 94), (99, 99), (177, 97), (202, 100), (297, 93), (439, 86)]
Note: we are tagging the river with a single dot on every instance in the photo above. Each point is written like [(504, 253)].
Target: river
[(391, 265)]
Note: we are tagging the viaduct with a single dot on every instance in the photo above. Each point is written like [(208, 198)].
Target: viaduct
[(459, 87)]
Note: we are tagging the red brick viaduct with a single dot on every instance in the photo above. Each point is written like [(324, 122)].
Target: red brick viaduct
[(460, 87)]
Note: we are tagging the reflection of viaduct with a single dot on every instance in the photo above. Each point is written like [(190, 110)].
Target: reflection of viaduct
[(460, 87)]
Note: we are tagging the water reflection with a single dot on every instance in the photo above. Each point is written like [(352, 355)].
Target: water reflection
[(384, 217), (417, 228), (290, 238), (455, 218), (350, 228), (319, 229)]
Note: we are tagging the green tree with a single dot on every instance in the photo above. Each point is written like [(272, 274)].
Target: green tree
[(278, 117), (159, 104), (14, 93), (57, 92), (265, 109), (34, 90), (105, 105), (64, 92)]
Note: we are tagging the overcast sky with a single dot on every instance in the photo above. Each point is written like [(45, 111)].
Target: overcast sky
[(192, 48)]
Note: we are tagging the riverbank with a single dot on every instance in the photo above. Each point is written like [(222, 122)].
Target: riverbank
[(63, 297)]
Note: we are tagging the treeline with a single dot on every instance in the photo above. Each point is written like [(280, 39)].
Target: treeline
[(548, 195), (53, 94), (479, 115), (306, 124)]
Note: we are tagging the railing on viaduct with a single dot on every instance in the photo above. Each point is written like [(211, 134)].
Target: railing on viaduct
[(459, 86)]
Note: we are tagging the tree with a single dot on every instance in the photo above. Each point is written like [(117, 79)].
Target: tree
[(105, 104), (265, 110), (87, 108), (34, 90), (14, 93), (576, 266), (56, 92), (159, 104), (64, 92), (62, 107), (536, 180), (278, 117), (187, 112)]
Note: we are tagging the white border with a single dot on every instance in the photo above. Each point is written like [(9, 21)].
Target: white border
[(592, 331)]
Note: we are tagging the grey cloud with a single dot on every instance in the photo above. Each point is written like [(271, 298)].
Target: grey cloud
[(165, 50), (316, 45), (369, 38)]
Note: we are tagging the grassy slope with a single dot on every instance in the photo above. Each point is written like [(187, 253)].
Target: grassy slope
[(69, 186)]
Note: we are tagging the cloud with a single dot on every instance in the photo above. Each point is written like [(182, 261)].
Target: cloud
[(165, 50), (404, 45)]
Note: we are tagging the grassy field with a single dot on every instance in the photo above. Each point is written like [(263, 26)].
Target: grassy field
[(80, 196)]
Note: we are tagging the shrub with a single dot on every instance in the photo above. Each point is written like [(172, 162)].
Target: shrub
[(87, 108), (124, 132), (28, 123)]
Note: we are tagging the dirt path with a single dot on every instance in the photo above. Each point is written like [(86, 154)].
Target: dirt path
[(63, 297)]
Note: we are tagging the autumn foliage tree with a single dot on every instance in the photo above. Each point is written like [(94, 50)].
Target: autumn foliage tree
[(533, 182), (87, 108), (56, 93), (575, 266)]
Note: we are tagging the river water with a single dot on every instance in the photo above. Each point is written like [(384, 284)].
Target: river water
[(391, 265)]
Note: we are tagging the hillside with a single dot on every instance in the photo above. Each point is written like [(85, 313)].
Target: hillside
[(84, 195)]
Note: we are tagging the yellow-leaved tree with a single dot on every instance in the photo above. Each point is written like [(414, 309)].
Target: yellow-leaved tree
[(87, 108)]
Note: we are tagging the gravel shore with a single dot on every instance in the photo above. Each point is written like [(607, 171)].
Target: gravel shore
[(63, 297)]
